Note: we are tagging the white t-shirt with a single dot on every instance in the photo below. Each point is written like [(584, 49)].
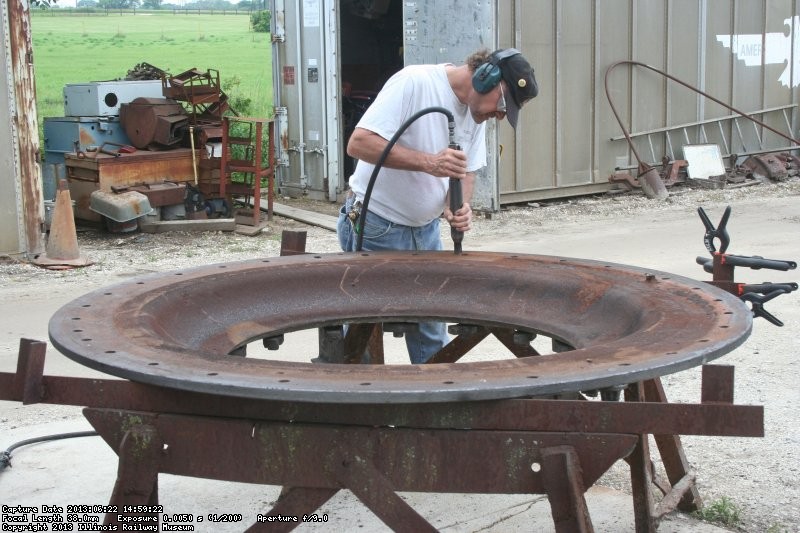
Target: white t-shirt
[(402, 196)]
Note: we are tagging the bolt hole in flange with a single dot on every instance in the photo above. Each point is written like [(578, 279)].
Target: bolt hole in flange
[(580, 310)]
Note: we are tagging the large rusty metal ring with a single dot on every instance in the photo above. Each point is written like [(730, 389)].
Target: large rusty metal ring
[(177, 329)]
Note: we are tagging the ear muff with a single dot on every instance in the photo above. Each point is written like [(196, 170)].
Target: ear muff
[(487, 76)]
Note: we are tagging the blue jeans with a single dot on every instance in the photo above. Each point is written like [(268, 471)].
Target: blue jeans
[(382, 235)]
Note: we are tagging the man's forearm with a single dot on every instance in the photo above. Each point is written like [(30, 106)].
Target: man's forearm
[(368, 146)]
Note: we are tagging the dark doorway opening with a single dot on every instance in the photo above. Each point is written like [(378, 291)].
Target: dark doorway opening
[(371, 51)]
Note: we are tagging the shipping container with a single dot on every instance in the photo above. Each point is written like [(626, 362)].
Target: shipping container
[(330, 58)]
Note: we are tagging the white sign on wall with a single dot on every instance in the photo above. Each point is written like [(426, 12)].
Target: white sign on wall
[(778, 48)]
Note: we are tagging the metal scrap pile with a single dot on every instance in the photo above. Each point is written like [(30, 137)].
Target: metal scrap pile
[(754, 170), (145, 71)]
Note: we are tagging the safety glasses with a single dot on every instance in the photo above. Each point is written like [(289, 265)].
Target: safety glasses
[(501, 103)]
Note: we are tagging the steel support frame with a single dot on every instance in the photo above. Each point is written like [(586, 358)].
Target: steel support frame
[(373, 463), (553, 447)]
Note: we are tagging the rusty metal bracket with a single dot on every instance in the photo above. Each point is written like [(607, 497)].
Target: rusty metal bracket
[(568, 444)]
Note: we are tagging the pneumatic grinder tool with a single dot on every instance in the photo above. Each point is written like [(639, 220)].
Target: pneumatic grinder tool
[(456, 195)]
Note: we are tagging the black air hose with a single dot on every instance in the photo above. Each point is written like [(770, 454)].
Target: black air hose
[(5, 457), (385, 154)]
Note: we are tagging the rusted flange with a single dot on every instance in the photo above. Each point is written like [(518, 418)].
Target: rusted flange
[(176, 329)]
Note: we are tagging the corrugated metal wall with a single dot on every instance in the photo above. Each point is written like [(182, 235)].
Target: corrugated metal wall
[(745, 53), (12, 238)]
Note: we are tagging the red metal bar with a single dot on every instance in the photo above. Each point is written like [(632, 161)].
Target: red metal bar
[(372, 487), (523, 414), (717, 384), (30, 368), (293, 501), (458, 347), (506, 336), (675, 496), (225, 157), (357, 340), (257, 173), (293, 242), (310, 455), (721, 272), (140, 451), (375, 345), (639, 461), (672, 454), (561, 471)]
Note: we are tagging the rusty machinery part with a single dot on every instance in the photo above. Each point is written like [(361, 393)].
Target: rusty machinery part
[(145, 71), (774, 166), (177, 329), (648, 177), (154, 122)]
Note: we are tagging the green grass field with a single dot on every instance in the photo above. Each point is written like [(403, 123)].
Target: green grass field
[(84, 48)]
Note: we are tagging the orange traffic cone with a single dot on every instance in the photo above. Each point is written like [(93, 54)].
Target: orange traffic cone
[(62, 250)]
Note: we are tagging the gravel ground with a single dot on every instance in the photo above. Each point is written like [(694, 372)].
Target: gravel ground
[(124, 255), (140, 253)]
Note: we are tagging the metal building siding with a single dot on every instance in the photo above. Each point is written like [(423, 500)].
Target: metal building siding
[(612, 42), (302, 74), (562, 146), (12, 239), (527, 158)]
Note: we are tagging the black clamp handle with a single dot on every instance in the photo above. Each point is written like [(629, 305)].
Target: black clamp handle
[(758, 300), (757, 262), (766, 288), (706, 262), (720, 232), (754, 262)]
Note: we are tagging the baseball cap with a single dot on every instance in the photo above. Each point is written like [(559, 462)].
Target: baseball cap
[(520, 80)]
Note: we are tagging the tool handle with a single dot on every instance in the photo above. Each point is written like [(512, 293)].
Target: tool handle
[(720, 232), (766, 288), (757, 302), (706, 262), (755, 262), (456, 201), (769, 317)]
